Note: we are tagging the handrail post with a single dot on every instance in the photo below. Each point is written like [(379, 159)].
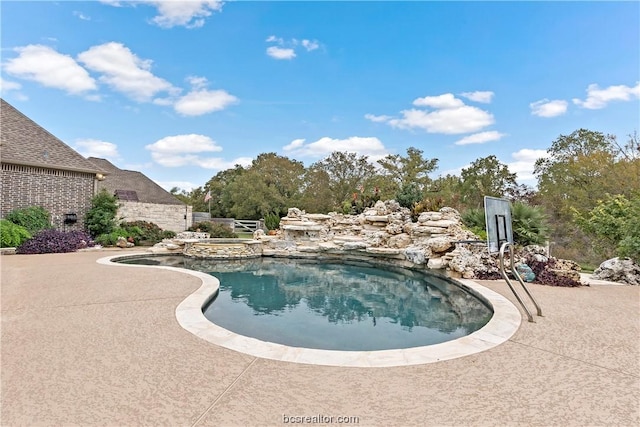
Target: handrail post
[(503, 273)]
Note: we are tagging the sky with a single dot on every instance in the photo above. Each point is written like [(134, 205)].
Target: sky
[(182, 90)]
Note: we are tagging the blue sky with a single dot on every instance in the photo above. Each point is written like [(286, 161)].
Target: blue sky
[(182, 90)]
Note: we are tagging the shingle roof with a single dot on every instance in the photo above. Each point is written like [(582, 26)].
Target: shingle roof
[(24, 142), (146, 190)]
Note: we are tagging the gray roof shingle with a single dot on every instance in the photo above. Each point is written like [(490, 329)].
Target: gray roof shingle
[(24, 142), (146, 190)]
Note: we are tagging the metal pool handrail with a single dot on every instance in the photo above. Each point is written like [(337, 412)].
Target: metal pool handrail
[(504, 246)]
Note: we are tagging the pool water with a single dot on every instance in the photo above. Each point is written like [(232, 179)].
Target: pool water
[(335, 306)]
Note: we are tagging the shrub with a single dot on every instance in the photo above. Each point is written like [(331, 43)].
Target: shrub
[(168, 234), (144, 232), (12, 235), (216, 230), (101, 217), (409, 195), (33, 218), (272, 221), (544, 275), (55, 241), (529, 224), (426, 205), (110, 239), (615, 222)]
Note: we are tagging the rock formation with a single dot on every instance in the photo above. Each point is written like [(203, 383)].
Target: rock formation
[(619, 270)]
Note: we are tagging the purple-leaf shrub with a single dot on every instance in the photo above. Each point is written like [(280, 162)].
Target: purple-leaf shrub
[(545, 276), (55, 241)]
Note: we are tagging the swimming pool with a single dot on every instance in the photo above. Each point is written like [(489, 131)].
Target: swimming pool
[(189, 313), (335, 306)]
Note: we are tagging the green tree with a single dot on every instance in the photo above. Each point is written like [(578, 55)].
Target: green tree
[(271, 184), (346, 172), (221, 196), (407, 173), (615, 224), (101, 217), (486, 176), (579, 170), (316, 195)]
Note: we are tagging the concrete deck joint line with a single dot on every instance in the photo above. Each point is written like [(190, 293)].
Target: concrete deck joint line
[(503, 325), (226, 390)]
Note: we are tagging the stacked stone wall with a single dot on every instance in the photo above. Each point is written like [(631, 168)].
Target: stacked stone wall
[(168, 217)]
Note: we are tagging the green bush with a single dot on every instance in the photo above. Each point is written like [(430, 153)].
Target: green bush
[(615, 222), (215, 230), (33, 218), (409, 195), (426, 205), (12, 235), (530, 226), (272, 221), (101, 217), (110, 239), (145, 233)]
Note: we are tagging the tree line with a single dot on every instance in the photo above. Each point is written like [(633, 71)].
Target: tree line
[(581, 171)]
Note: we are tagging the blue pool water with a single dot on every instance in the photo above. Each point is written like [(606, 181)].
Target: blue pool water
[(335, 306)]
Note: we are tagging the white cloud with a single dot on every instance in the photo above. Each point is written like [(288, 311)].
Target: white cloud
[(280, 53), (310, 44), (480, 138), (286, 49), (186, 13), (463, 119), (599, 98), (171, 13), (377, 119), (123, 71), (6, 85), (363, 146), (185, 150), (274, 39), (446, 114), (97, 148), (190, 143), (546, 108), (446, 100), (44, 65), (197, 82), (199, 102), (182, 185), (479, 96), (524, 161), (81, 16)]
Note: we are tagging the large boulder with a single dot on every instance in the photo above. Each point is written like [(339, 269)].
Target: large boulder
[(618, 270)]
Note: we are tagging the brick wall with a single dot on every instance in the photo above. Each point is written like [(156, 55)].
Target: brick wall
[(167, 217), (57, 191)]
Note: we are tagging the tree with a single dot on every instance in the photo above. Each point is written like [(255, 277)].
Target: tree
[(579, 170), (101, 217), (406, 174), (615, 224), (221, 197), (573, 175), (485, 177), (346, 172), (271, 184)]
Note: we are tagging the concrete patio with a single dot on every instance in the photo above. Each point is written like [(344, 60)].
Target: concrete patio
[(95, 345)]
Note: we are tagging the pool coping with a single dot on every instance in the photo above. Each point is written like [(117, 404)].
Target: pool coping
[(189, 313)]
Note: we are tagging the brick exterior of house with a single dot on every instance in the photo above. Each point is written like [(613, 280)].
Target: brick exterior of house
[(39, 169)]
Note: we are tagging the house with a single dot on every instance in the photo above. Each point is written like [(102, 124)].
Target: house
[(141, 199), (39, 169)]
